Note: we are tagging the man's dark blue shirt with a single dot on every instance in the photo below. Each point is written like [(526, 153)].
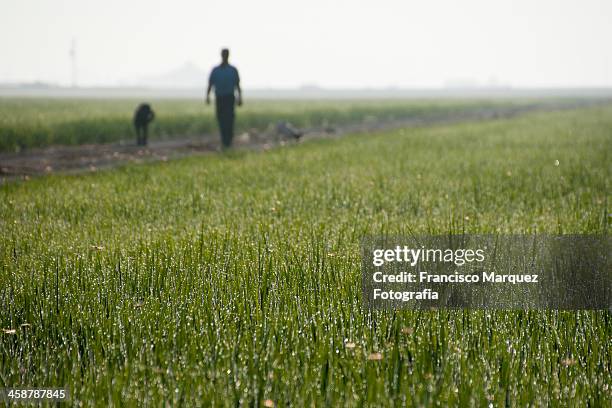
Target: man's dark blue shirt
[(224, 78)]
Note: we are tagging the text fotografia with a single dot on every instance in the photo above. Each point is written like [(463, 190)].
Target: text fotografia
[(487, 271), (413, 256), (428, 294)]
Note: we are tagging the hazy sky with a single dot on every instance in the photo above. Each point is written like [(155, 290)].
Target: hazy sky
[(284, 43)]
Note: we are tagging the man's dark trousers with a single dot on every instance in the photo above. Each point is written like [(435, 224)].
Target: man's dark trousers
[(225, 117)]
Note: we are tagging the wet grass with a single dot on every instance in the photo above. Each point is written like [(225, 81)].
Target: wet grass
[(235, 279)]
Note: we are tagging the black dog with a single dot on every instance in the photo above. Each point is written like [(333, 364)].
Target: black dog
[(142, 117)]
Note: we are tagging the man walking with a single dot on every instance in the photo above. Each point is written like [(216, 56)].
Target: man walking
[(224, 78)]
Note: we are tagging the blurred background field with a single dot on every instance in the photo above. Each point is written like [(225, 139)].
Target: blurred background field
[(38, 122)]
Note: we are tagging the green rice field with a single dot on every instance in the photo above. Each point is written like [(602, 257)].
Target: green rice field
[(235, 279)]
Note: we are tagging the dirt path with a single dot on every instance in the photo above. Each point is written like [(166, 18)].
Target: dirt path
[(92, 157)]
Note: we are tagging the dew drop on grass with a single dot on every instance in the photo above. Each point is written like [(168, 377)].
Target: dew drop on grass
[(568, 362), (375, 357)]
